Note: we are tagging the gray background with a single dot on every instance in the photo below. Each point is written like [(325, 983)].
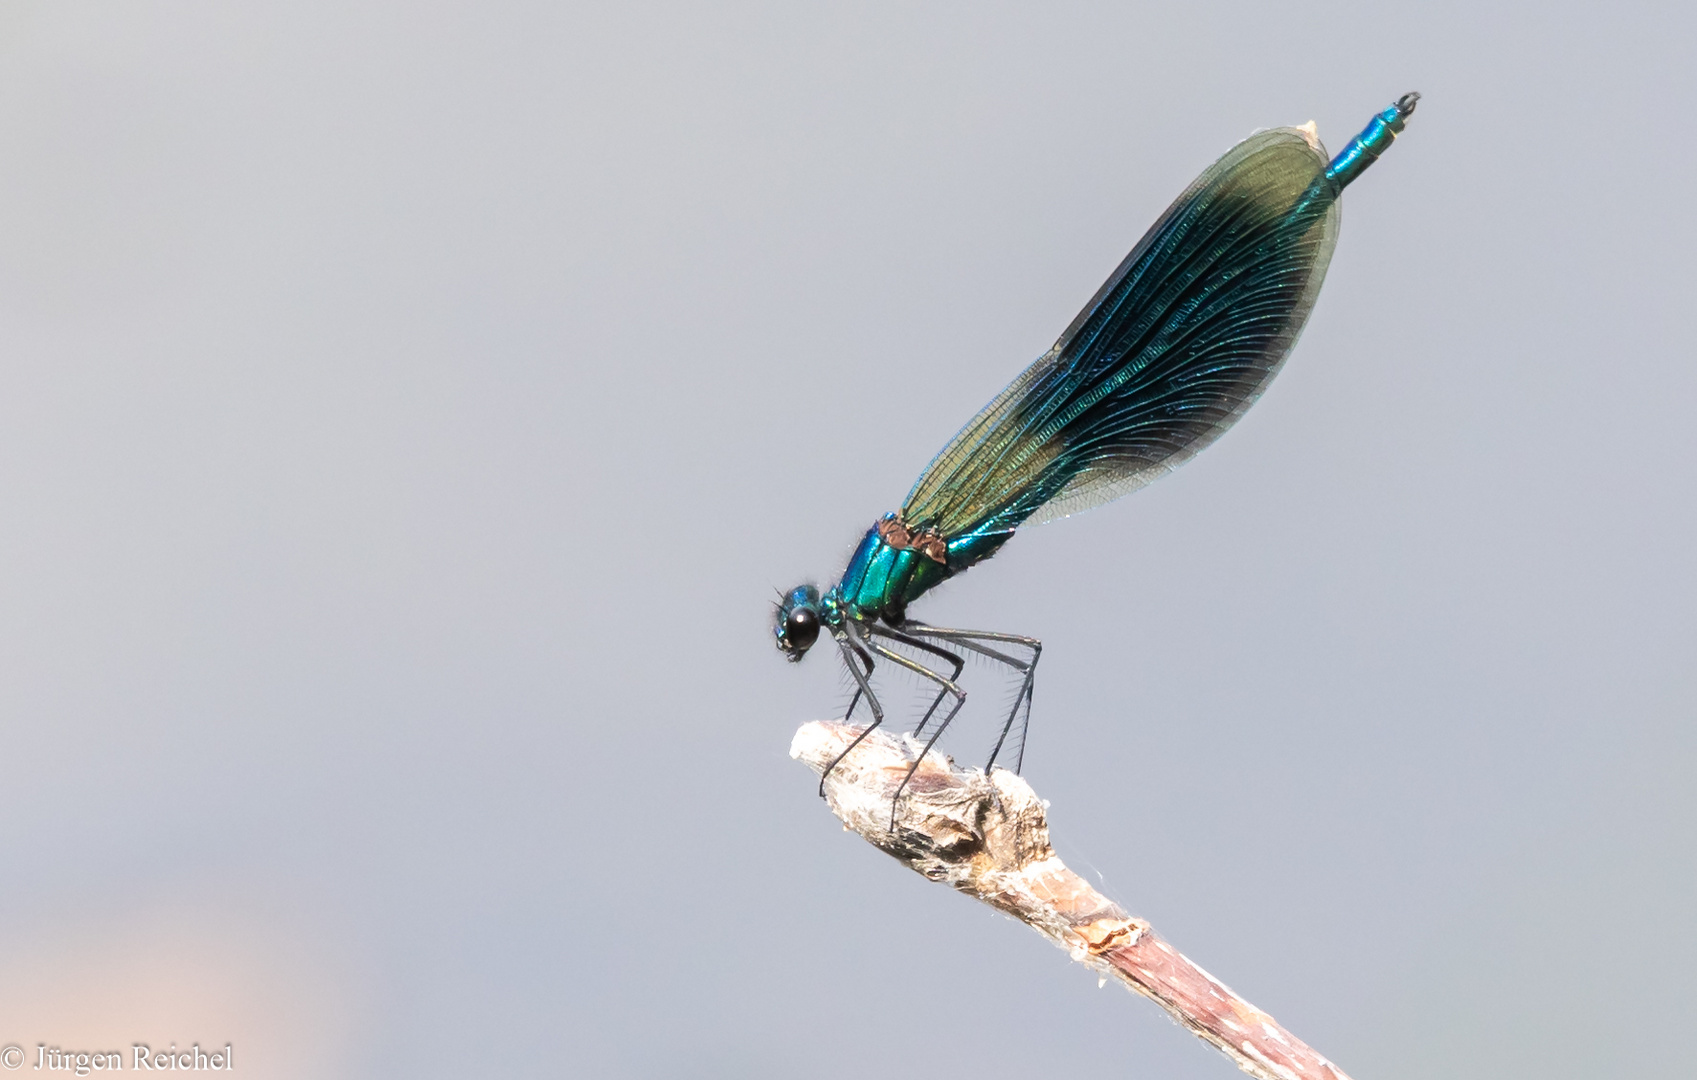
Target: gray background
[(407, 411)]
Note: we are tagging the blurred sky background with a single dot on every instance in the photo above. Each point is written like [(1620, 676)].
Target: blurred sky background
[(408, 410)]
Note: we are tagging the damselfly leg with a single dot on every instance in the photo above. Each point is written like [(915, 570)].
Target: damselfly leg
[(853, 651), (855, 700), (915, 643), (858, 648), (948, 686), (974, 640)]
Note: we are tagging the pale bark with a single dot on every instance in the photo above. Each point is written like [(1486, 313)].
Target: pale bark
[(988, 837)]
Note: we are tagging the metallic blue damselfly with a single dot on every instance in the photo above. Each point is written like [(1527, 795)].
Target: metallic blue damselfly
[(1174, 347)]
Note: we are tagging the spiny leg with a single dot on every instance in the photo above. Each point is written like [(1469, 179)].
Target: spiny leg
[(852, 651), (948, 687), (913, 642), (1026, 691), (1025, 726), (968, 639), (855, 700)]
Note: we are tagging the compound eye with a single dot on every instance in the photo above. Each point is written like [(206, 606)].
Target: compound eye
[(801, 629)]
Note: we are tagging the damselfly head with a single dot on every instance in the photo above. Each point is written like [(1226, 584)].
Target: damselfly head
[(797, 621)]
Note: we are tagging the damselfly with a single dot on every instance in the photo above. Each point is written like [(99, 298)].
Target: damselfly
[(1177, 344)]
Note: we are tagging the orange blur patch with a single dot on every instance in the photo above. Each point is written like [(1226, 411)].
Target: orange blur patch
[(1105, 935), (928, 542)]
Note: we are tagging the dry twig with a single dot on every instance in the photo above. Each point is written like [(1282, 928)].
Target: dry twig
[(988, 838)]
